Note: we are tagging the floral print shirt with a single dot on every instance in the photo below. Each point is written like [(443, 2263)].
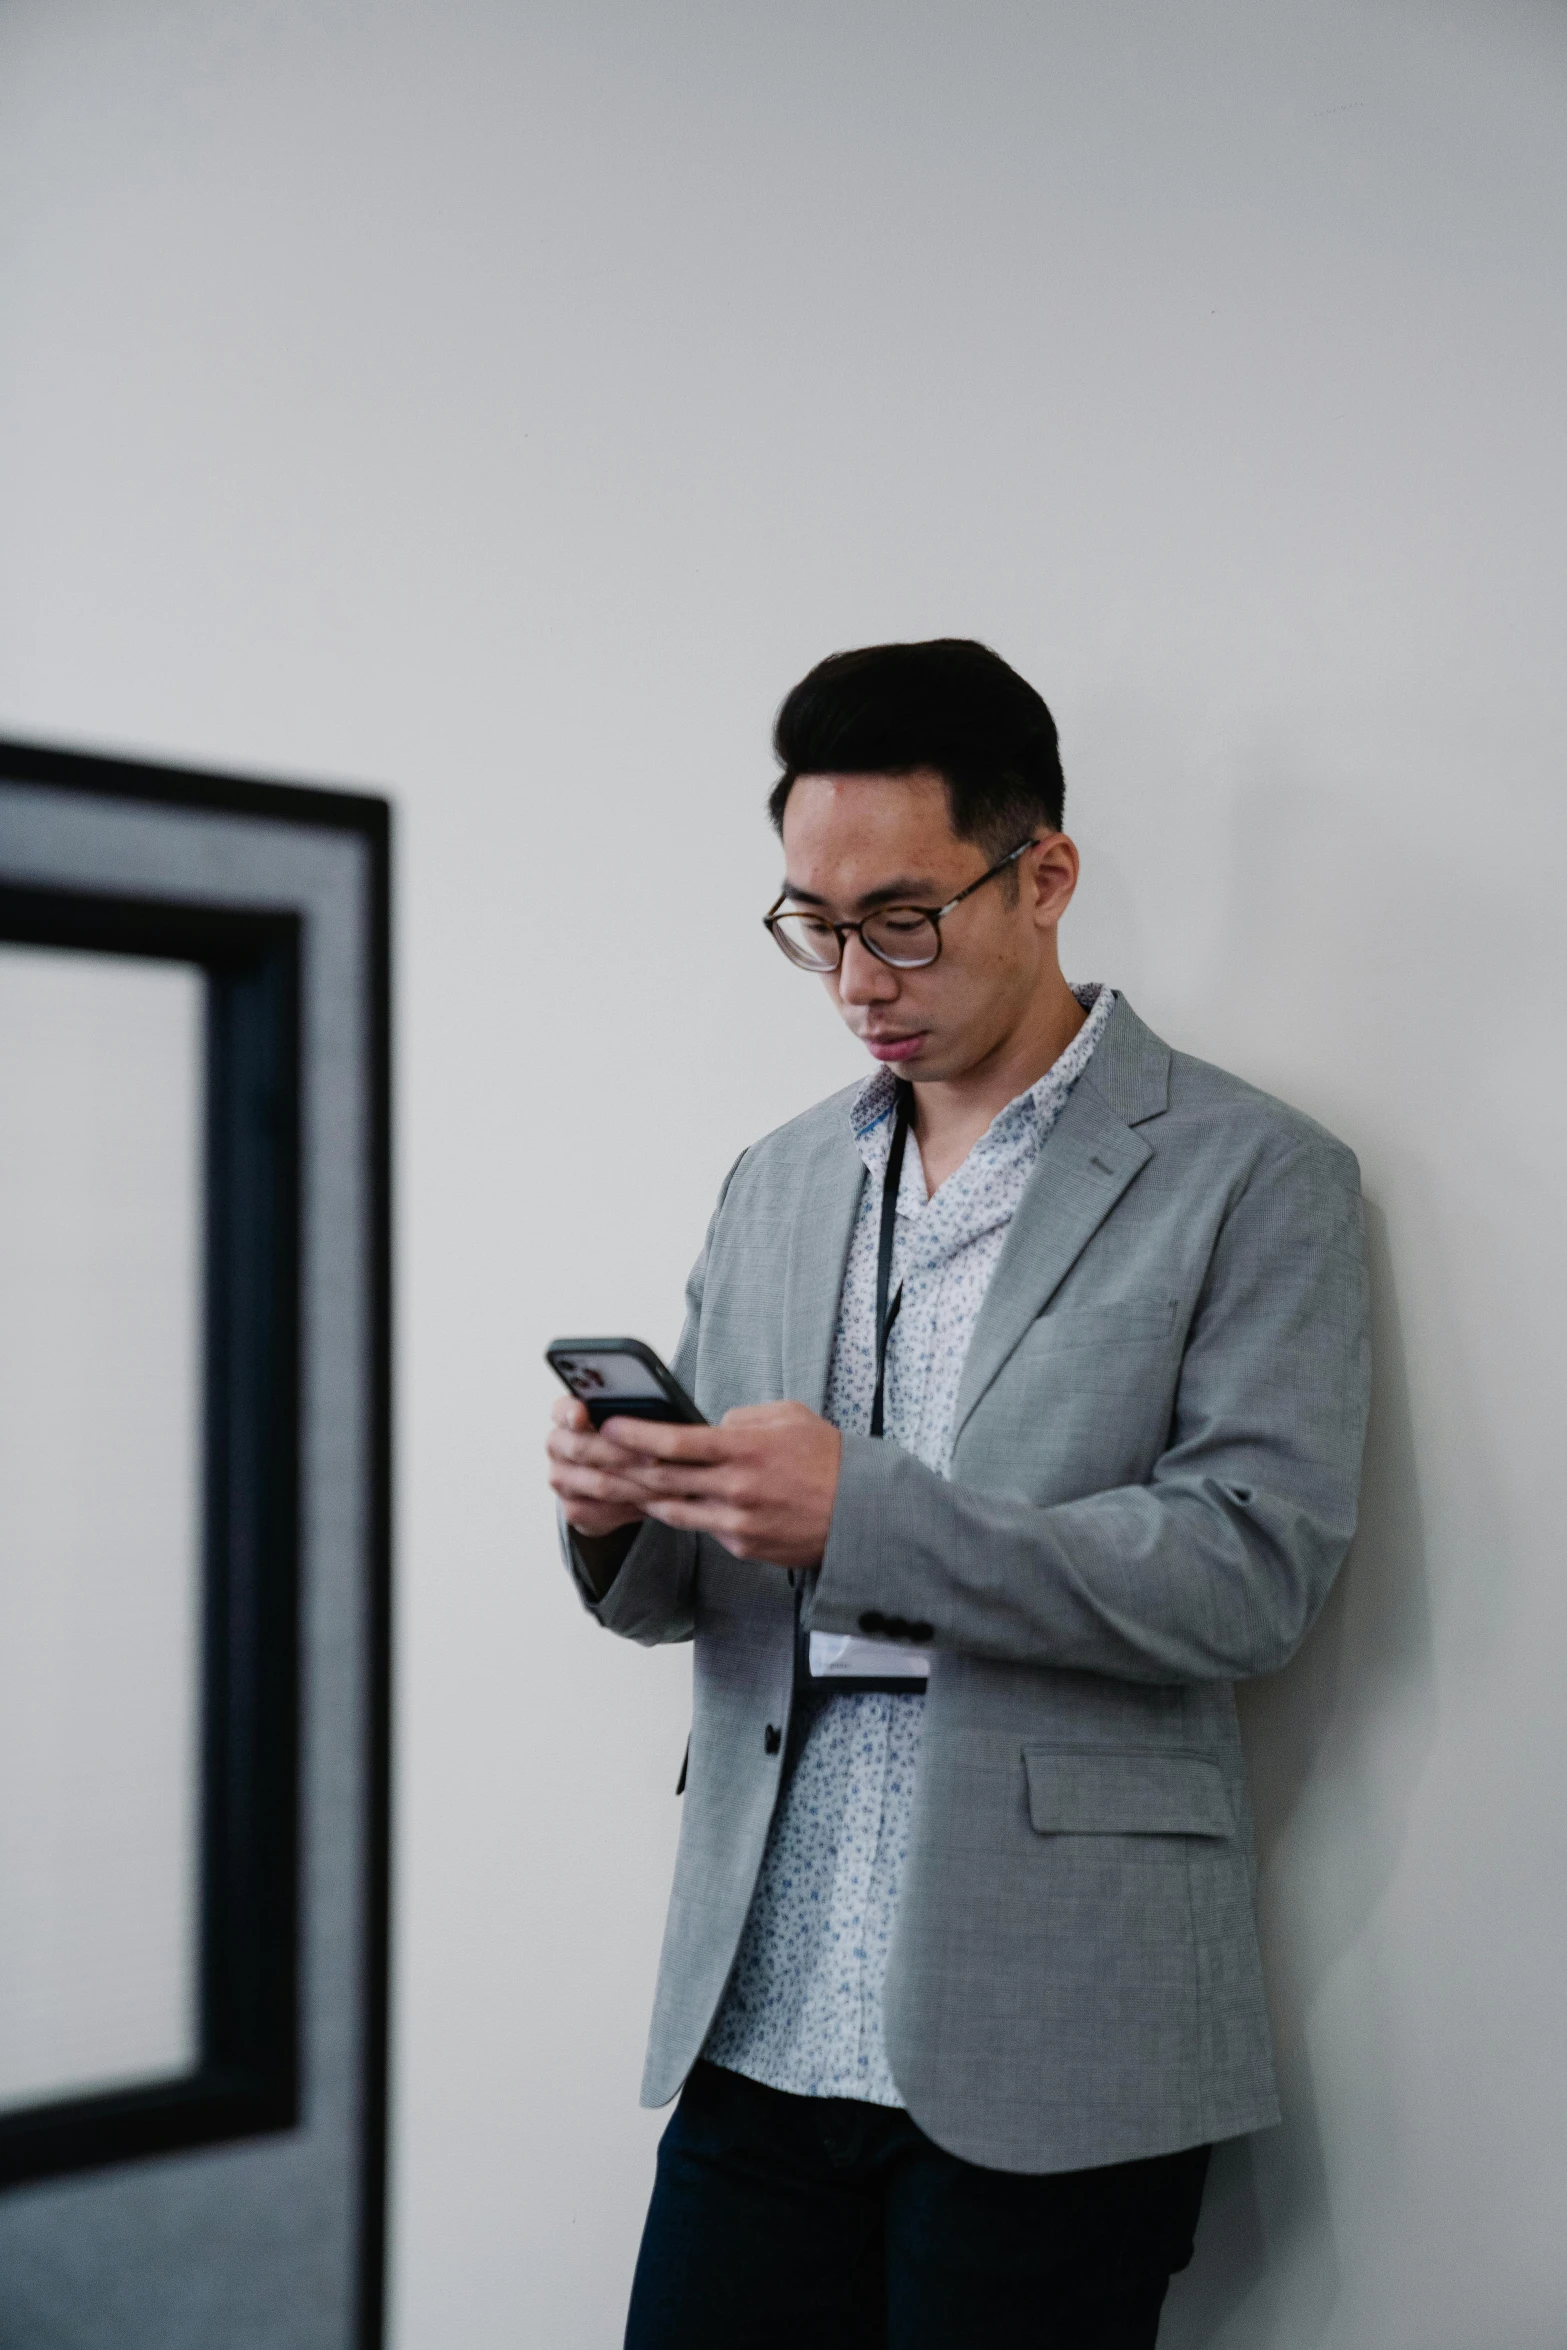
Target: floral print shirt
[(802, 2010)]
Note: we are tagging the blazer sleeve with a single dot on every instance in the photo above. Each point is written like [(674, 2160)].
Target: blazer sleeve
[(652, 1596), (1215, 1568)]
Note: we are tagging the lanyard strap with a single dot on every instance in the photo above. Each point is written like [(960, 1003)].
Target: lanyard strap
[(900, 1685), (891, 1182)]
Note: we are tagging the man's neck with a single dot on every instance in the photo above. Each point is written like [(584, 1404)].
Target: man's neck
[(950, 1115)]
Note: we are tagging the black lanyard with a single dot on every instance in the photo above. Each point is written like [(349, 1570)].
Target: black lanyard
[(897, 1685), (891, 1183)]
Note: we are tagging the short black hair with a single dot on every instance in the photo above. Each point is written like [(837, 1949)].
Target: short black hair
[(949, 704)]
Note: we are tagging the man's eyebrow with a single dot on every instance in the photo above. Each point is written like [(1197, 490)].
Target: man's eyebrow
[(904, 890)]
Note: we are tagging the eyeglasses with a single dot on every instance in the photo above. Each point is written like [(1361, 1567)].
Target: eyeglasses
[(907, 937)]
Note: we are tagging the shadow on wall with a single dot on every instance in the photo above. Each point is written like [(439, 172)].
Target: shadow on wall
[(1336, 1744)]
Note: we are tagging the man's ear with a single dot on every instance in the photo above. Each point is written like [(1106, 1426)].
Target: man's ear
[(1052, 870)]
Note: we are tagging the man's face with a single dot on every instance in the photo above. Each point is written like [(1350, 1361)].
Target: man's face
[(856, 842)]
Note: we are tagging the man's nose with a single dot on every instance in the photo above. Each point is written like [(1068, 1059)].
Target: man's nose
[(862, 977)]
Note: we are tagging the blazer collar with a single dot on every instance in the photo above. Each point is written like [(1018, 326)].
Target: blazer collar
[(1089, 1158), (822, 1229), (1130, 1067)]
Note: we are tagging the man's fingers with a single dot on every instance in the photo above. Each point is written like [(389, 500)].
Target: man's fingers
[(670, 1440), (577, 1484), (583, 1464), (741, 1483), (724, 1483), (727, 1525), (580, 1442), (607, 1471)]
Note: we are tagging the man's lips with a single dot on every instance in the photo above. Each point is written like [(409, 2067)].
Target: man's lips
[(895, 1048)]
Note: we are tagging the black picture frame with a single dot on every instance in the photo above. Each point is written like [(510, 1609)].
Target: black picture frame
[(247, 2078)]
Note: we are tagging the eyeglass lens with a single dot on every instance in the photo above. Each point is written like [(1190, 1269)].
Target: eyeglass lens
[(899, 935)]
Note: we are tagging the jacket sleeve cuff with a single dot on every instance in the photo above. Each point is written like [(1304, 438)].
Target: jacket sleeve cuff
[(650, 1596), (859, 1576), (593, 1590)]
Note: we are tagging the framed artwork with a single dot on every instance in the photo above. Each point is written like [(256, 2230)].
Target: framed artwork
[(195, 1529)]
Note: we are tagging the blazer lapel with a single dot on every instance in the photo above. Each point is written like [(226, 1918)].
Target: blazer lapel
[(818, 1251), (1090, 1156)]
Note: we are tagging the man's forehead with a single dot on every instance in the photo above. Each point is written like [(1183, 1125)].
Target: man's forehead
[(862, 840), (917, 795), (850, 814)]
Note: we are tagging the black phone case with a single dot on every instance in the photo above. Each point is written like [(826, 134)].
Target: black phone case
[(674, 1404)]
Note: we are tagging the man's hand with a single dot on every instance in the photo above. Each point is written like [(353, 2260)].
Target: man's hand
[(762, 1483), (587, 1474)]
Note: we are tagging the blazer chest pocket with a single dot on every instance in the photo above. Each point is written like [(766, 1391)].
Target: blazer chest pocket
[(1086, 1791), (1087, 1392), (1131, 1321)]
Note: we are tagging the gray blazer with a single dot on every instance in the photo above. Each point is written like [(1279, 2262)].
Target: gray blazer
[(1158, 1445)]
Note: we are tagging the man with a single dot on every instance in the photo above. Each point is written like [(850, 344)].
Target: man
[(1039, 1369)]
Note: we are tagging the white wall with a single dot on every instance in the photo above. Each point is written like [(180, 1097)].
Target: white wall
[(504, 405)]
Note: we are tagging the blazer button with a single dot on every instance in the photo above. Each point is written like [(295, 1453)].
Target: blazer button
[(873, 1620), (922, 1632), (772, 1738)]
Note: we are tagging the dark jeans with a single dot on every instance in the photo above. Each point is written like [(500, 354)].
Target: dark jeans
[(819, 2223)]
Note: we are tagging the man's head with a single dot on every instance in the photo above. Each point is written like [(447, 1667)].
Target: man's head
[(909, 771), (949, 705)]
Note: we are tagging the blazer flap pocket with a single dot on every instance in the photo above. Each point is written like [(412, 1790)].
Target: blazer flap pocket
[(1088, 1791), (1119, 1322)]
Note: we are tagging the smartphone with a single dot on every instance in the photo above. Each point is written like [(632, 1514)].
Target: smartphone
[(620, 1378)]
